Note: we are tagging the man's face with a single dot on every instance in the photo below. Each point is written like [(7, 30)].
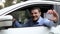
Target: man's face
[(35, 14)]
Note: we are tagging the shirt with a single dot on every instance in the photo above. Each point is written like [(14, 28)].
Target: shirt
[(40, 22)]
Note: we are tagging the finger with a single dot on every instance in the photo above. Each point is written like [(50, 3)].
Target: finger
[(50, 11)]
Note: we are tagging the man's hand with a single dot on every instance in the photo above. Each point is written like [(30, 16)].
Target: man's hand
[(55, 17)]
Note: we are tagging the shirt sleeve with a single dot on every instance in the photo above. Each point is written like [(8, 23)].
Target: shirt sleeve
[(49, 23), (28, 23), (17, 24)]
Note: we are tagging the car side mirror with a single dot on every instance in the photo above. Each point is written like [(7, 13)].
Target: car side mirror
[(5, 21)]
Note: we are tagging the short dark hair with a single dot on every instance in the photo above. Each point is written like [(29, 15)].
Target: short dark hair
[(35, 8)]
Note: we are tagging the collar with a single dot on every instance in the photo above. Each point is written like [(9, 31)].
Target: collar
[(40, 19)]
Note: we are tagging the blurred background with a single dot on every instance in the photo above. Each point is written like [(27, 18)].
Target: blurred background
[(6, 3)]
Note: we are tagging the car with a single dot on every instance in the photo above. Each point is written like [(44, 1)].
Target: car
[(20, 12)]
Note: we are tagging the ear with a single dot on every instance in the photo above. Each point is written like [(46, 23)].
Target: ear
[(40, 13)]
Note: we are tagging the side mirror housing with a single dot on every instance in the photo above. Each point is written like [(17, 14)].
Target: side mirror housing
[(5, 21)]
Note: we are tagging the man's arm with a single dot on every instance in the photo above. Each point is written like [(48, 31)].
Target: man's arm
[(49, 23), (17, 24), (55, 17)]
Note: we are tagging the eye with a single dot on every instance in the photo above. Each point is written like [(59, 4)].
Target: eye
[(35, 13)]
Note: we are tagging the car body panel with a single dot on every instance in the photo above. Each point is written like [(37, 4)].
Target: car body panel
[(23, 4)]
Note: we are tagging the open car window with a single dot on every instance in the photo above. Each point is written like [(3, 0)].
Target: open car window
[(19, 15), (22, 14)]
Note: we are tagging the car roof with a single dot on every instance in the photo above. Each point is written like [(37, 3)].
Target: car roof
[(10, 9)]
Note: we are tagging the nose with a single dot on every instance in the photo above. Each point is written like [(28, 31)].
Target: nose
[(33, 14)]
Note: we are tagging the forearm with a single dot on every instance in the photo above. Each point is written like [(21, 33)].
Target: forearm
[(49, 23), (56, 16)]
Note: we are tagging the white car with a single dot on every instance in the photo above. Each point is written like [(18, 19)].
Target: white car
[(20, 12)]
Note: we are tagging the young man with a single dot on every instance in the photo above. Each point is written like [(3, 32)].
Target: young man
[(37, 20)]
